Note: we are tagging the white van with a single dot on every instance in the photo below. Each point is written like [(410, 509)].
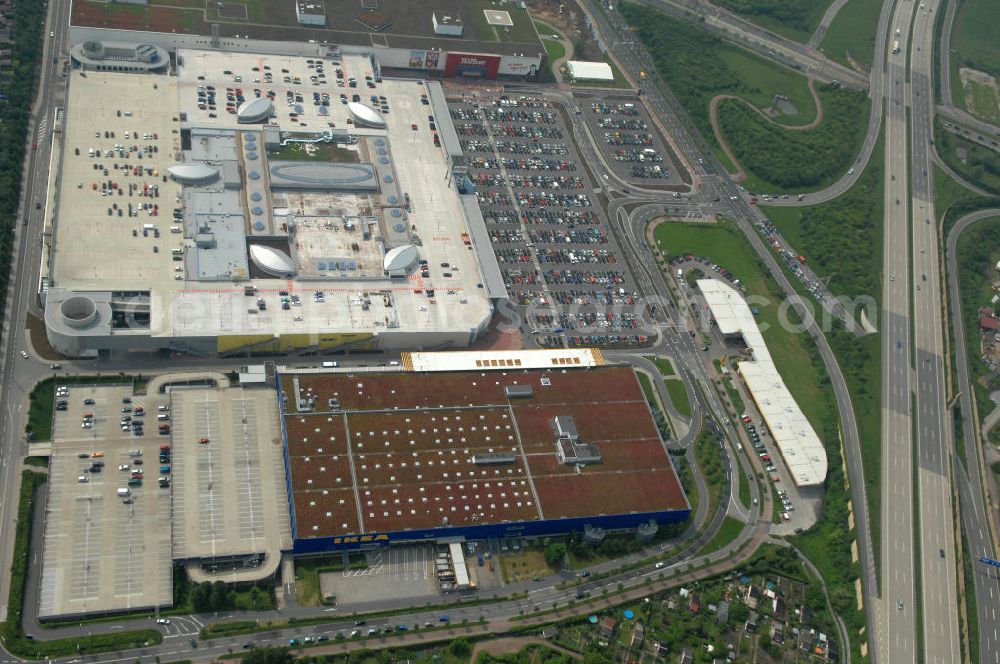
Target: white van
[(124, 491), (331, 365)]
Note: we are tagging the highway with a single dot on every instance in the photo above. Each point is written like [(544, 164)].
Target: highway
[(18, 375), (898, 640), (934, 430), (976, 516)]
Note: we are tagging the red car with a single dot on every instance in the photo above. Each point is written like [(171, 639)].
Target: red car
[(203, 441)]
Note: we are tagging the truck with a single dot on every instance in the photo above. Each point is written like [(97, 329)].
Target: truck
[(895, 46)]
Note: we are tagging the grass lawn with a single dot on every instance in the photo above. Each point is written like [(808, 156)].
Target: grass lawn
[(664, 365), (765, 79), (728, 532), (726, 246), (976, 36), (553, 47), (982, 102), (706, 451), (851, 35), (947, 192), (323, 152), (522, 32), (678, 396), (647, 389), (523, 565), (41, 402), (981, 166), (744, 488), (734, 395)]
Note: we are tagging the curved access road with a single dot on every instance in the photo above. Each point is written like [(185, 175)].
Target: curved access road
[(824, 23), (977, 518), (713, 118)]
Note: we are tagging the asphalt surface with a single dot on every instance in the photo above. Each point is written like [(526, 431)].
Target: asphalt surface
[(976, 515), (938, 573), (898, 611)]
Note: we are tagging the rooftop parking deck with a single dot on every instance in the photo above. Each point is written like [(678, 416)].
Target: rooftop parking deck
[(104, 552), (229, 489), (124, 239), (119, 137)]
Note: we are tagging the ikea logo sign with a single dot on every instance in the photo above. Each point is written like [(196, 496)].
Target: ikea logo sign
[(361, 539)]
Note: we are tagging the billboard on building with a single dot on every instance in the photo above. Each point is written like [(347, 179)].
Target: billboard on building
[(416, 59), (475, 66), (432, 59)]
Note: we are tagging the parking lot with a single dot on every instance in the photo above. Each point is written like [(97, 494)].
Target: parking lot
[(227, 473), (309, 94), (107, 528), (628, 140), (559, 260), (394, 572)]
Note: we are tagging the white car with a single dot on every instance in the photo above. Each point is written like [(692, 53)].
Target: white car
[(163, 621), (24, 354)]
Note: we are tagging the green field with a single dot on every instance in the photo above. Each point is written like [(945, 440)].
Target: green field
[(728, 531), (981, 166), (975, 39), (982, 101), (795, 19), (841, 239), (726, 246), (699, 66), (678, 396), (851, 35), (763, 79)]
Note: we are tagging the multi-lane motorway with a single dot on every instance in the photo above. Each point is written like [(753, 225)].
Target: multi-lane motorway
[(934, 432)]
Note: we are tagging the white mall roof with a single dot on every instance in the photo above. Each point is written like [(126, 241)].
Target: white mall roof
[(366, 114), (497, 360), (798, 443), (254, 110), (271, 260), (193, 173), (399, 258), (590, 71)]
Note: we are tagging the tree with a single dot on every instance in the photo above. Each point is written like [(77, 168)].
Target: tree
[(554, 554), (460, 647), (269, 656)]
